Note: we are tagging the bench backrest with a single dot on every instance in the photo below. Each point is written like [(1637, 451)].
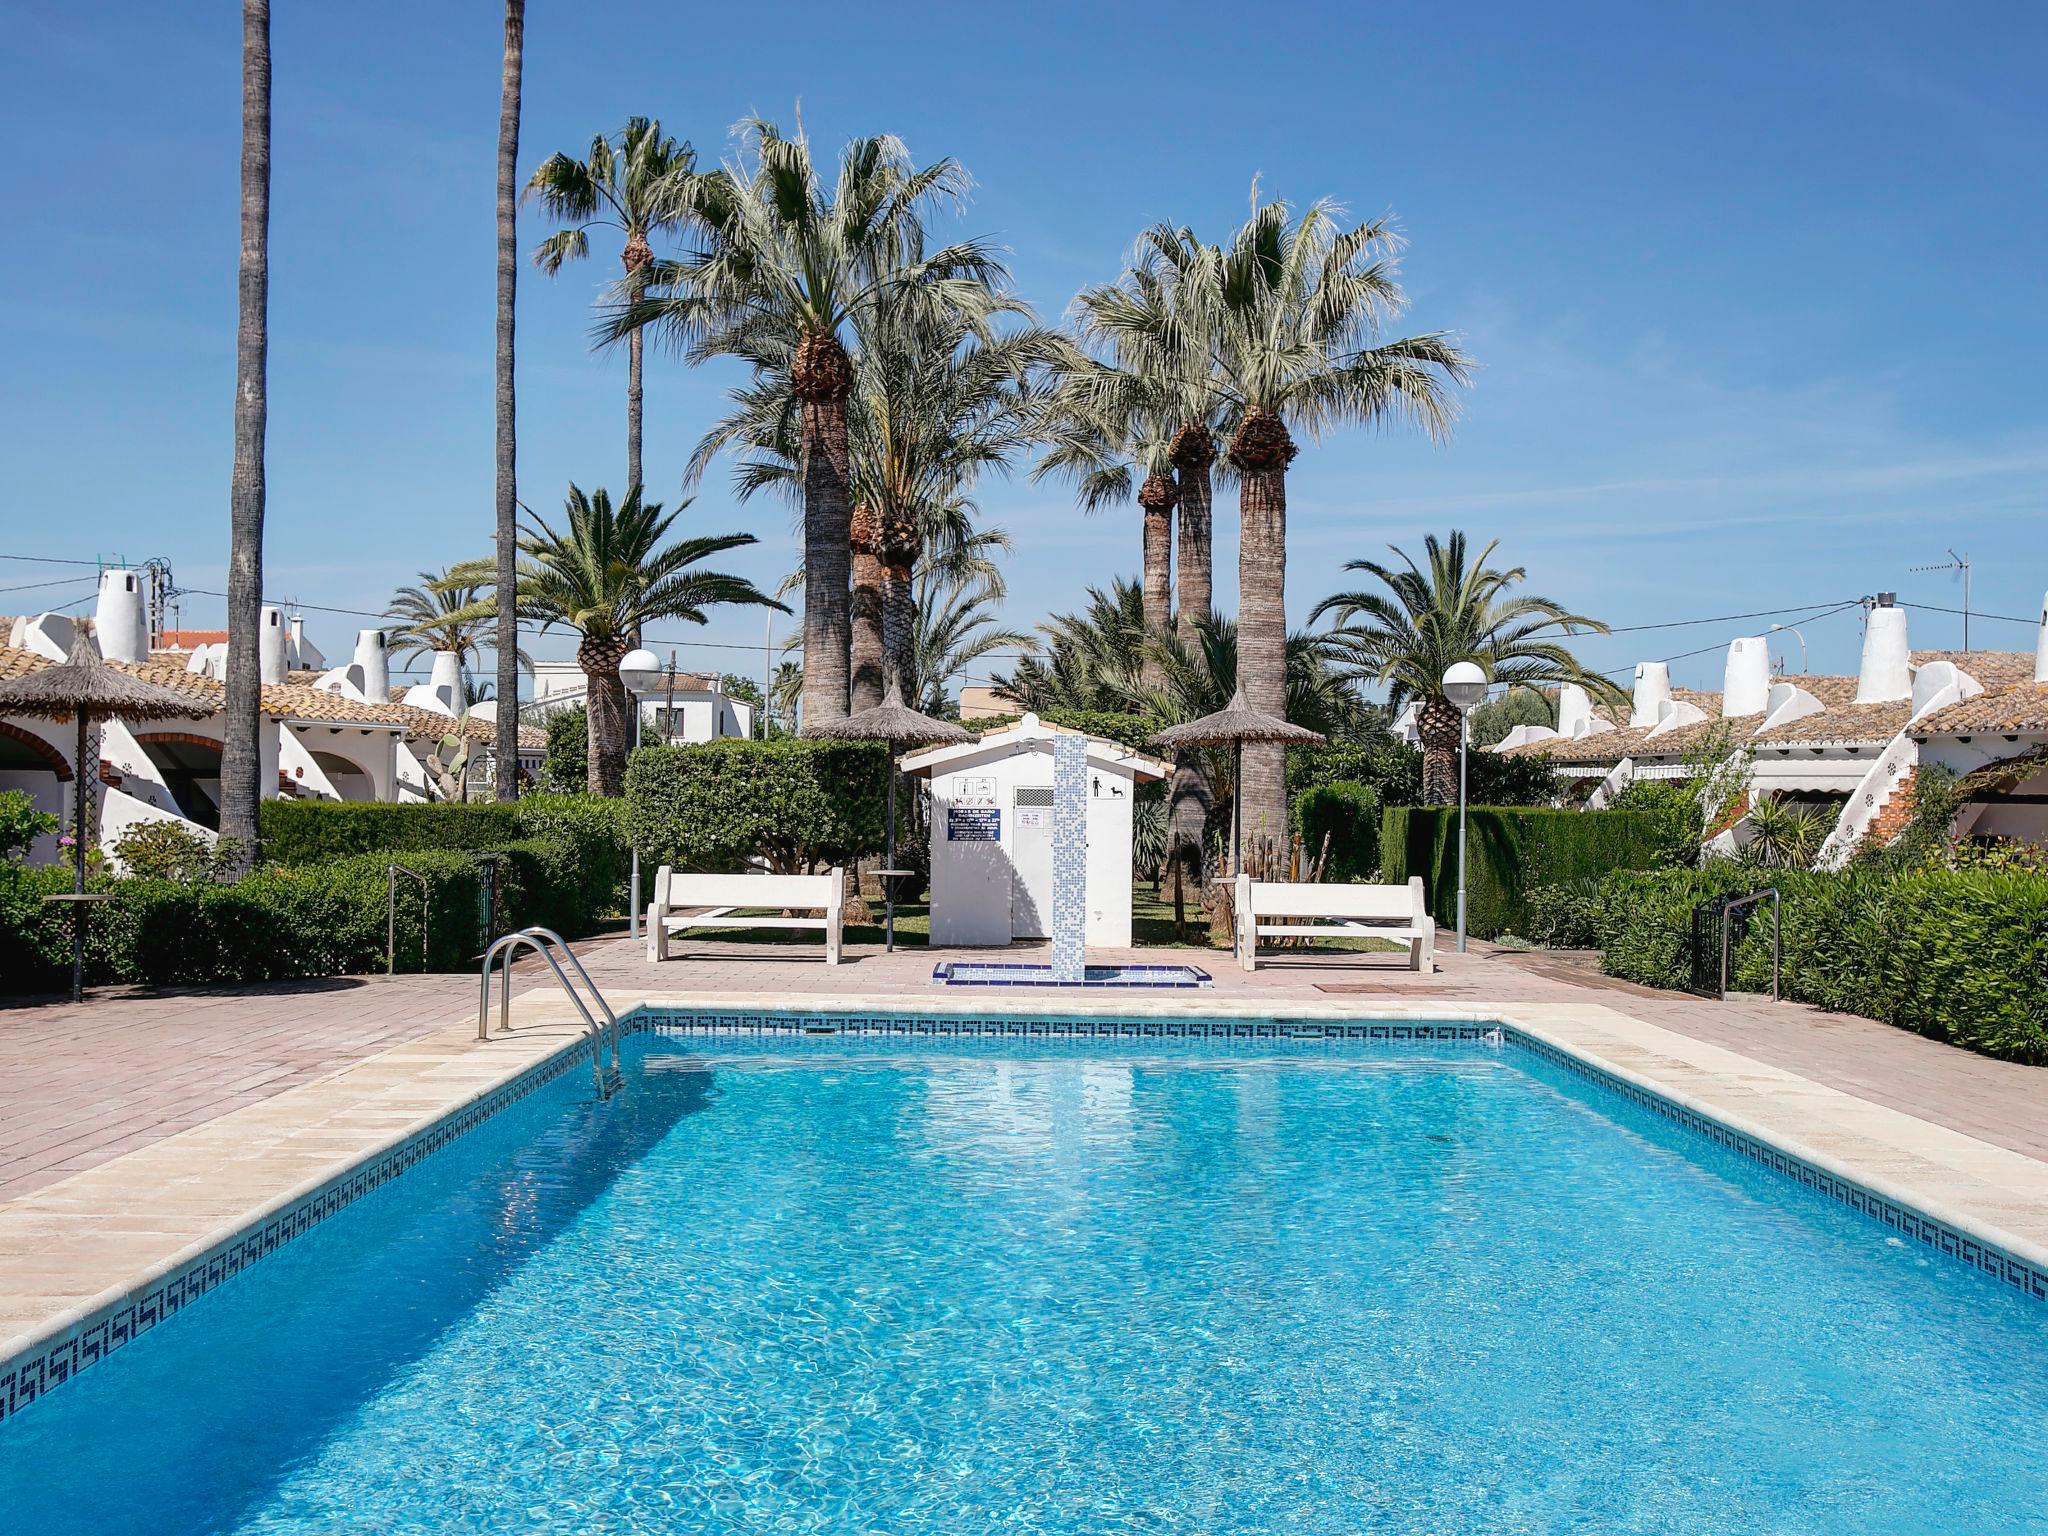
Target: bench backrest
[(1385, 903), (683, 888)]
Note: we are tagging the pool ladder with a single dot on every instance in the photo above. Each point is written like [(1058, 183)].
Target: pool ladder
[(546, 943)]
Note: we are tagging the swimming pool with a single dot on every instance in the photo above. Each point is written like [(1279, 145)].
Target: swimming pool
[(1177, 1285)]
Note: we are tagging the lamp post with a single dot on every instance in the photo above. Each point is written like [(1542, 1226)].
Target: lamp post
[(1464, 687), (638, 670)]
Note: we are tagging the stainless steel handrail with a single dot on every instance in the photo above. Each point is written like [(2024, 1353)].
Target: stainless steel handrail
[(391, 874), (545, 942), (1728, 912)]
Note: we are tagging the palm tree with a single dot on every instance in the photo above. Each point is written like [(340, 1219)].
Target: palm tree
[(623, 185), (1090, 660), (606, 575), (1449, 609), (241, 750), (956, 625), (937, 398), (785, 265), (1295, 304), (507, 786), (444, 612)]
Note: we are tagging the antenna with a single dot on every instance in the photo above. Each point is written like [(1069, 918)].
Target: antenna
[(1956, 562)]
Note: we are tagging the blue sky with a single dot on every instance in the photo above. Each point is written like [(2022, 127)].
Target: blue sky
[(1757, 290)]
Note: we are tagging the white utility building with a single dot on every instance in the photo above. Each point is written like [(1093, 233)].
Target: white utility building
[(992, 835)]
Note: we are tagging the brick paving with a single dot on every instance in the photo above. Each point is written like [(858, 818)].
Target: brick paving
[(82, 1084)]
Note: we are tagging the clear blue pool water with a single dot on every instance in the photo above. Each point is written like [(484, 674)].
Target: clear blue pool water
[(844, 1285)]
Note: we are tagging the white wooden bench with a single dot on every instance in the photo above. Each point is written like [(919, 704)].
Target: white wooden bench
[(1396, 912), (678, 890)]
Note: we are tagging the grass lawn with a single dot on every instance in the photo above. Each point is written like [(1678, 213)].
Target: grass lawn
[(1151, 928)]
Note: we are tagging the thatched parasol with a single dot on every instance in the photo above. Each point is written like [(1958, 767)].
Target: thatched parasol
[(896, 723), (1236, 723), (83, 687)]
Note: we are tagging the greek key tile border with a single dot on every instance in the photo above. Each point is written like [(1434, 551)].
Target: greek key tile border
[(2029, 1279), (29, 1377)]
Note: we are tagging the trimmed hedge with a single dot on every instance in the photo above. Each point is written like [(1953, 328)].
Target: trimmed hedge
[(1349, 815), (563, 866), (716, 805), (1961, 955), (1514, 850), (1392, 770)]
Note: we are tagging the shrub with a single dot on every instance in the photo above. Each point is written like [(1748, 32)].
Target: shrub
[(566, 767), (21, 823), (1562, 916), (1514, 850), (164, 850), (1348, 814), (305, 831), (1393, 772), (1961, 955), (716, 805)]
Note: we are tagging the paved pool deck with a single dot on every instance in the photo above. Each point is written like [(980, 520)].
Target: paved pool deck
[(148, 1140)]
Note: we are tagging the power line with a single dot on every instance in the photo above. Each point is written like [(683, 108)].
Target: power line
[(1975, 613), (1726, 618), (48, 560), (61, 581), (1812, 618)]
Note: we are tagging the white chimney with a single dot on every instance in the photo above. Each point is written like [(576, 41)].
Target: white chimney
[(446, 678), (1746, 683), (1887, 662), (372, 656), (2041, 646), (1653, 688), (117, 619), (1574, 711), (270, 641)]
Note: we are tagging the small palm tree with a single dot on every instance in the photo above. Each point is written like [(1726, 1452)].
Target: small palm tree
[(1298, 305), (606, 574), (1090, 660), (784, 265), (444, 612), (625, 183), (1449, 609), (957, 624)]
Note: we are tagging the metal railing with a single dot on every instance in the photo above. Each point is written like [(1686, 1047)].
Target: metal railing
[(1727, 915), (391, 874), (545, 942)]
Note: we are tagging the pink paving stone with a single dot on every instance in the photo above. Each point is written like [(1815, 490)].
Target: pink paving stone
[(82, 1084)]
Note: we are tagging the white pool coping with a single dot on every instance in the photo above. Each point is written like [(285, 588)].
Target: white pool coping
[(84, 1261)]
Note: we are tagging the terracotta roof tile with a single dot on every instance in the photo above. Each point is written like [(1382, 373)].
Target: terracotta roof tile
[(1846, 722), (1994, 669), (15, 662), (2015, 710)]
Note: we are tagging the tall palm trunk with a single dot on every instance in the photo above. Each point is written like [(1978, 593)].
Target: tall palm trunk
[(1261, 451), (1193, 451), (1439, 725), (822, 376), (506, 771), (609, 713), (899, 605), (867, 647), (241, 763), (1156, 497), (636, 257), (1190, 796)]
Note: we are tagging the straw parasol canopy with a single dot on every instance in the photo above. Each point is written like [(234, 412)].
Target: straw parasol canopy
[(80, 688), (1235, 724), (892, 721), (899, 725)]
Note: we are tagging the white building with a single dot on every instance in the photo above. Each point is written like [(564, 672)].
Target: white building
[(1853, 744), (992, 829), (696, 708)]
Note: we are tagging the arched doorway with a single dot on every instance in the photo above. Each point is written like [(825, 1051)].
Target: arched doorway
[(348, 779)]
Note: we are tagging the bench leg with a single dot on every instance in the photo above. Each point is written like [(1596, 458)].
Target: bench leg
[(832, 941), (657, 934)]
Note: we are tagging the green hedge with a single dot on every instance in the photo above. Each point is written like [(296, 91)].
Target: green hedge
[(564, 867), (1392, 770), (1349, 816), (305, 831), (717, 804), (1959, 955), (1514, 850)]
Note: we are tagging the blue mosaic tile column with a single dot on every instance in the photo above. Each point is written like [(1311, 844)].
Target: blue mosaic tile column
[(1069, 857)]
